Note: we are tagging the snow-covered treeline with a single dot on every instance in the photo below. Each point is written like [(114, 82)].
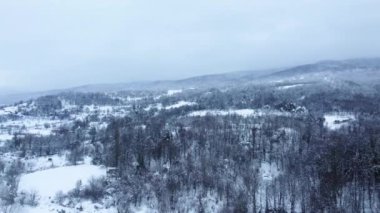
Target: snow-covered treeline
[(310, 148)]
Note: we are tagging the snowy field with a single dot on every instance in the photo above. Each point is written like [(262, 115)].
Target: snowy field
[(47, 183)]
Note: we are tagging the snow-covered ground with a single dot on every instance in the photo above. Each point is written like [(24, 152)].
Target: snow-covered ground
[(174, 91), (289, 86), (180, 104), (5, 137), (101, 111), (47, 183), (99, 125), (269, 171), (157, 106), (44, 162), (66, 105), (31, 125), (83, 207), (336, 121), (15, 109), (240, 112), (17, 119), (8, 110), (132, 99)]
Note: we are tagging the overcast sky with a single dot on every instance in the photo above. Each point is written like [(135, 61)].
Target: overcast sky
[(46, 44)]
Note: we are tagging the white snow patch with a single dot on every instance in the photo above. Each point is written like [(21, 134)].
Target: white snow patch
[(336, 121), (132, 99), (87, 207), (30, 125), (157, 106), (98, 125), (5, 137), (180, 104), (101, 111), (240, 112), (173, 92), (48, 182), (289, 86), (269, 171), (66, 105), (8, 110), (45, 162)]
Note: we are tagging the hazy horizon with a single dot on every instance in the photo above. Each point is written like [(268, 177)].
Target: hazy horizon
[(19, 91), (57, 44)]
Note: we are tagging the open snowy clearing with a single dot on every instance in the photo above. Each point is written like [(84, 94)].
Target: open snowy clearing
[(48, 182), (239, 112), (174, 91), (180, 104), (336, 121)]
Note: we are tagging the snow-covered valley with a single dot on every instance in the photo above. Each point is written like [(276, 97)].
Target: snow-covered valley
[(271, 147)]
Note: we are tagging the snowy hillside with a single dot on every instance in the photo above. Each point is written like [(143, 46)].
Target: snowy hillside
[(355, 70), (284, 144)]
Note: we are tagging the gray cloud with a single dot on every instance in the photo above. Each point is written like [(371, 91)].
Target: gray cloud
[(61, 43)]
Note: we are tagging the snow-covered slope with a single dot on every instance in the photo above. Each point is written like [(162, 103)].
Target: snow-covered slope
[(65, 179)]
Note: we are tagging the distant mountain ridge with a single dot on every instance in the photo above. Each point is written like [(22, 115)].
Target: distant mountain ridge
[(204, 81), (332, 66), (360, 70)]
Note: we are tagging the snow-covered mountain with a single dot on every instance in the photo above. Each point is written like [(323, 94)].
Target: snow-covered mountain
[(237, 142), (355, 70), (344, 70)]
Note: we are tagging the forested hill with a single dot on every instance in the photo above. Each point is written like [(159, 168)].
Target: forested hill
[(280, 143)]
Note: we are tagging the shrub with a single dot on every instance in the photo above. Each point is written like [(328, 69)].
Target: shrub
[(60, 197), (30, 198), (95, 189), (77, 190)]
